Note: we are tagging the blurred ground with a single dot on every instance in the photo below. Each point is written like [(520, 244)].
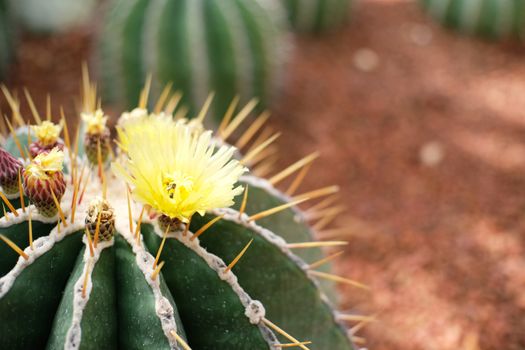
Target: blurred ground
[(425, 133)]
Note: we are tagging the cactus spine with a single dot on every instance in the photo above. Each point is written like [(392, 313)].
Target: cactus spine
[(317, 15), (489, 18), (230, 47), (104, 272)]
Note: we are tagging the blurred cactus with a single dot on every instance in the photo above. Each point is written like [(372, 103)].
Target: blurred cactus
[(51, 16), (6, 38), (317, 15), (150, 257), (489, 18), (230, 47)]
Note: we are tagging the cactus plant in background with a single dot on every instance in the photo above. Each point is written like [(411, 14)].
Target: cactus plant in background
[(52, 16), (489, 18), (6, 37), (230, 47), (317, 15), (150, 255)]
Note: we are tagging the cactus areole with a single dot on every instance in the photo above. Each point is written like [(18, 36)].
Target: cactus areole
[(167, 242)]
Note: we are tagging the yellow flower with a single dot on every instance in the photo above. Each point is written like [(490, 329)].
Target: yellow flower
[(132, 125), (46, 164), (133, 116), (47, 133), (95, 122), (176, 171)]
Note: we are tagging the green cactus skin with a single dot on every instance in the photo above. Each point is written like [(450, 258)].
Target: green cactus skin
[(6, 39), (230, 47), (317, 16), (493, 19), (62, 298)]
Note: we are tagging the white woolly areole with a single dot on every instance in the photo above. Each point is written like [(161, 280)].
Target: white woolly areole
[(74, 333), (255, 311)]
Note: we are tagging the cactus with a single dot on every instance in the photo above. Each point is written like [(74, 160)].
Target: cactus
[(317, 15), (489, 18), (6, 38), (52, 16), (230, 47), (150, 254)]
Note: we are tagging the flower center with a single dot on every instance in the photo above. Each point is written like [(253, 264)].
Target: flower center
[(178, 185)]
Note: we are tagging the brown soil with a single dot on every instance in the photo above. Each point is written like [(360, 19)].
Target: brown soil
[(428, 146)]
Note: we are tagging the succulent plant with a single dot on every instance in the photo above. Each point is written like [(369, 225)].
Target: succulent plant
[(230, 47), (489, 18), (317, 15), (148, 253), (6, 38), (52, 16)]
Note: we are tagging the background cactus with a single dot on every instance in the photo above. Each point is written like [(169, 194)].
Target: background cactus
[(488, 18), (6, 38), (231, 47), (53, 15), (230, 280), (317, 15)]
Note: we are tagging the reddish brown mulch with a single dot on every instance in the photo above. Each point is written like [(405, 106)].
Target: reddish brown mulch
[(429, 149), (441, 245)]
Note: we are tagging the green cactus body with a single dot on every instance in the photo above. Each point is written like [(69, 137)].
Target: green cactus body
[(102, 274), (317, 15), (232, 47), (6, 38), (489, 18)]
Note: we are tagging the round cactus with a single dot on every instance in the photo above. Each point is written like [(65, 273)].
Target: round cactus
[(488, 18), (229, 47), (317, 15), (6, 36), (149, 254), (52, 16)]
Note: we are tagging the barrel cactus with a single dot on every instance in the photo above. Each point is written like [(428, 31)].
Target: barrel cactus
[(167, 242), (52, 16), (230, 47), (489, 18), (317, 15), (6, 38)]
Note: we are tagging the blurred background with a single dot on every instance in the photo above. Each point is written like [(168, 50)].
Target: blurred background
[(421, 126)]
